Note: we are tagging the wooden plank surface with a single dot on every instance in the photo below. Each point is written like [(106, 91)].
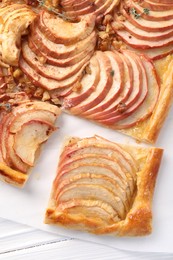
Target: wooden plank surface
[(19, 242)]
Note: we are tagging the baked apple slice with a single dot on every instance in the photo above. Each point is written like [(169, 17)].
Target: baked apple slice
[(89, 198), (28, 139), (16, 19)]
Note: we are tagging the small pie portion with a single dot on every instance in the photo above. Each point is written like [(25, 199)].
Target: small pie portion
[(122, 92), (104, 187), (24, 127)]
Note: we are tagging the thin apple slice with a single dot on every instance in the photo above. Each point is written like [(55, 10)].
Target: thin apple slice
[(3, 135), (91, 191), (149, 4), (49, 71), (98, 145), (88, 85), (30, 115), (102, 88), (29, 138), (12, 159), (138, 95), (117, 84), (147, 107), (94, 209), (59, 51), (88, 178), (102, 160), (157, 16), (126, 90), (47, 83), (65, 32)]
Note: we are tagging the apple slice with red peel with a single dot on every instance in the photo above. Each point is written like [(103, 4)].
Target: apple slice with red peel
[(147, 107), (47, 83), (88, 84), (102, 160), (117, 84), (65, 32), (12, 159), (98, 145), (127, 78), (71, 60), (3, 135), (50, 71), (102, 88), (149, 4), (59, 51), (138, 90), (29, 138), (138, 95), (157, 16), (23, 118)]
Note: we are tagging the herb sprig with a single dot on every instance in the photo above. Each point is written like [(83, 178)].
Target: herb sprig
[(42, 3), (136, 14), (6, 106)]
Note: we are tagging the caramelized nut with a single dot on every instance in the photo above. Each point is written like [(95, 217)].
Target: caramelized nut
[(17, 73)]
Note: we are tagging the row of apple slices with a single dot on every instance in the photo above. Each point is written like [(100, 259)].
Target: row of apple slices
[(74, 8), (96, 176), (145, 29), (15, 19), (124, 90), (57, 52), (23, 130)]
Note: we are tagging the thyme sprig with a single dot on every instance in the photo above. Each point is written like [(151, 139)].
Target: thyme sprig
[(136, 14), (42, 3), (6, 106), (146, 11)]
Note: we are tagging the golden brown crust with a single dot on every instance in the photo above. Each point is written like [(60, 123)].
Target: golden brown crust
[(11, 176), (164, 103), (138, 221)]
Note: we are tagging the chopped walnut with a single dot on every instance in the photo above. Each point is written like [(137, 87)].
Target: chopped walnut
[(121, 18), (121, 107), (87, 69), (17, 73), (56, 101), (46, 96), (117, 26), (38, 93), (103, 35), (107, 19), (117, 44)]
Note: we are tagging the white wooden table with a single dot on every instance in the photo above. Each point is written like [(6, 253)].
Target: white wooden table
[(19, 242)]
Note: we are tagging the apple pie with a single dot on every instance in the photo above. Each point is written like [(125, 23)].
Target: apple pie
[(104, 187)]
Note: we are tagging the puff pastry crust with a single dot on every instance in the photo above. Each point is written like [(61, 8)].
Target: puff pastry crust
[(104, 187)]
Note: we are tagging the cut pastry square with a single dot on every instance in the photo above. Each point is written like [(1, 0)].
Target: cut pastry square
[(104, 187), (127, 94), (24, 128)]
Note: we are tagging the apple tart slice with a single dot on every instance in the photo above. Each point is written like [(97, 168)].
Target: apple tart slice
[(126, 94), (22, 131), (104, 187)]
